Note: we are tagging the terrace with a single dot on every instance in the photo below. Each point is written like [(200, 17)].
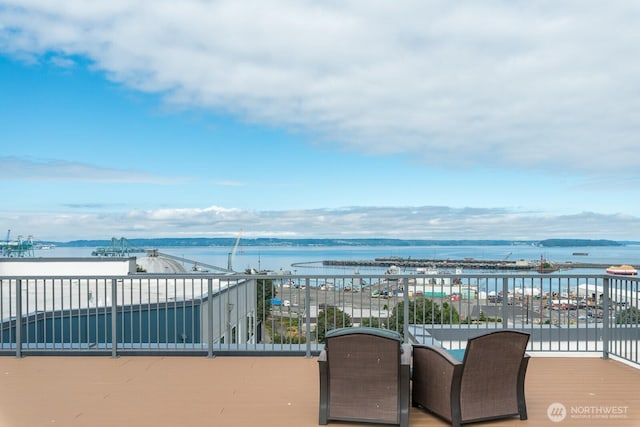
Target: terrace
[(584, 343)]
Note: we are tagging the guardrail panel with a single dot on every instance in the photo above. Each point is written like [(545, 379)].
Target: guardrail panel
[(213, 314)]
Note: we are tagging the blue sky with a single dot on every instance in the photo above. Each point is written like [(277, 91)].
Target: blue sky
[(422, 120)]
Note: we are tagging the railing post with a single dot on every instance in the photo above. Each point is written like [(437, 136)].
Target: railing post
[(307, 315), (19, 318), (210, 317), (505, 302), (114, 318), (405, 297), (605, 318)]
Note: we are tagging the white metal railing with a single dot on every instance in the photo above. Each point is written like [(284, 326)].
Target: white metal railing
[(210, 314)]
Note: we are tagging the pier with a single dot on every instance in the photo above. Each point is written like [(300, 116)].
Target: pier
[(119, 248), (466, 263)]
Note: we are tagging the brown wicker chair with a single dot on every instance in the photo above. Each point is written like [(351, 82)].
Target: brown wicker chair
[(364, 376), (487, 384)]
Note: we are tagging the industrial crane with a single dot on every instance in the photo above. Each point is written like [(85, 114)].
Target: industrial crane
[(233, 253)]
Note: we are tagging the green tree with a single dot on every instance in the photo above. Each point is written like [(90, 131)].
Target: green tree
[(423, 311), (628, 316), (374, 322), (265, 293), (331, 318), (449, 314)]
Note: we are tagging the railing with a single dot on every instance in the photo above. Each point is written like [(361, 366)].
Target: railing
[(208, 314)]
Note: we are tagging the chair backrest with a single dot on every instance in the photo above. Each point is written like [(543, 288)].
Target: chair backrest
[(364, 374), (491, 367)]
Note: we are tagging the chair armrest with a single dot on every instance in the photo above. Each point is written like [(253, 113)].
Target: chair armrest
[(437, 353), (405, 357), (436, 380)]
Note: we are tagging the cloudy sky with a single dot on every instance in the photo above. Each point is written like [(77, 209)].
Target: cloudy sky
[(410, 119)]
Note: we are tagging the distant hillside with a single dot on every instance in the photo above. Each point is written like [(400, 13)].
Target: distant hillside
[(549, 243), (230, 241)]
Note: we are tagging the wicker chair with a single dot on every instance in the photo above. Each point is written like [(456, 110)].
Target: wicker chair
[(487, 384), (364, 376)]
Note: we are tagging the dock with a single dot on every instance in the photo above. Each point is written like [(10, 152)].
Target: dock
[(466, 263)]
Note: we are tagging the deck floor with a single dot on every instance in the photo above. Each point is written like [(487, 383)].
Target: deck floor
[(265, 391)]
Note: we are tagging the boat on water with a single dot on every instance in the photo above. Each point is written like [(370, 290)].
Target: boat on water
[(622, 270)]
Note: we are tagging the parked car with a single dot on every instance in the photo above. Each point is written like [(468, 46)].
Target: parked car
[(494, 298), (323, 306)]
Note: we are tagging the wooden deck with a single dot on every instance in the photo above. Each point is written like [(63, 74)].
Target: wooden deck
[(266, 391)]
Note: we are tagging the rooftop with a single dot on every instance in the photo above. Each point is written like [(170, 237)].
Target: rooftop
[(268, 391)]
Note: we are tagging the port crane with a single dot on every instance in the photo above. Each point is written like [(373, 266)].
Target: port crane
[(233, 253), (16, 248)]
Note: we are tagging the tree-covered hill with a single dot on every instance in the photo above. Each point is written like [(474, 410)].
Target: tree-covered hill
[(230, 241)]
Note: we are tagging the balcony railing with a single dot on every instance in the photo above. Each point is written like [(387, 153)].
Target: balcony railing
[(211, 314)]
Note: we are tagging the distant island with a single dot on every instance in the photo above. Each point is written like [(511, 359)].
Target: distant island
[(550, 243), (230, 241)]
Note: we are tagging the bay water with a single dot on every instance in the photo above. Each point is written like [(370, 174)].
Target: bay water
[(308, 260)]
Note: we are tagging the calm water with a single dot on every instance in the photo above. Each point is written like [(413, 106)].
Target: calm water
[(290, 258)]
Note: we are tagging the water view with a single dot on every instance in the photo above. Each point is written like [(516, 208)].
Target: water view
[(308, 260)]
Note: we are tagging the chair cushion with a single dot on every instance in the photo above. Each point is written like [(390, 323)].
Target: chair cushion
[(457, 353)]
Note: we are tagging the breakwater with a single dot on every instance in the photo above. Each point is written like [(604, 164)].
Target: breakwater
[(466, 263)]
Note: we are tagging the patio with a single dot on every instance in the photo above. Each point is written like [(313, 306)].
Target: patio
[(268, 391)]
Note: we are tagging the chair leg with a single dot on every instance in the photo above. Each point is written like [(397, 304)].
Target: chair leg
[(405, 392), (323, 418), (522, 402), (404, 417), (522, 410), (456, 415), (324, 390)]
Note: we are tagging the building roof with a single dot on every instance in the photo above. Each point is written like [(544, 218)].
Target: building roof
[(155, 264)]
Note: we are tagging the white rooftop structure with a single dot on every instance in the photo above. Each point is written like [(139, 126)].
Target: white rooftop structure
[(156, 264), (94, 266)]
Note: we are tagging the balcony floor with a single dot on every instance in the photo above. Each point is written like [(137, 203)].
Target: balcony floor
[(261, 391)]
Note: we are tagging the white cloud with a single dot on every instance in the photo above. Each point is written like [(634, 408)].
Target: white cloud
[(425, 222), (62, 62), (501, 83), (229, 183), (28, 169)]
